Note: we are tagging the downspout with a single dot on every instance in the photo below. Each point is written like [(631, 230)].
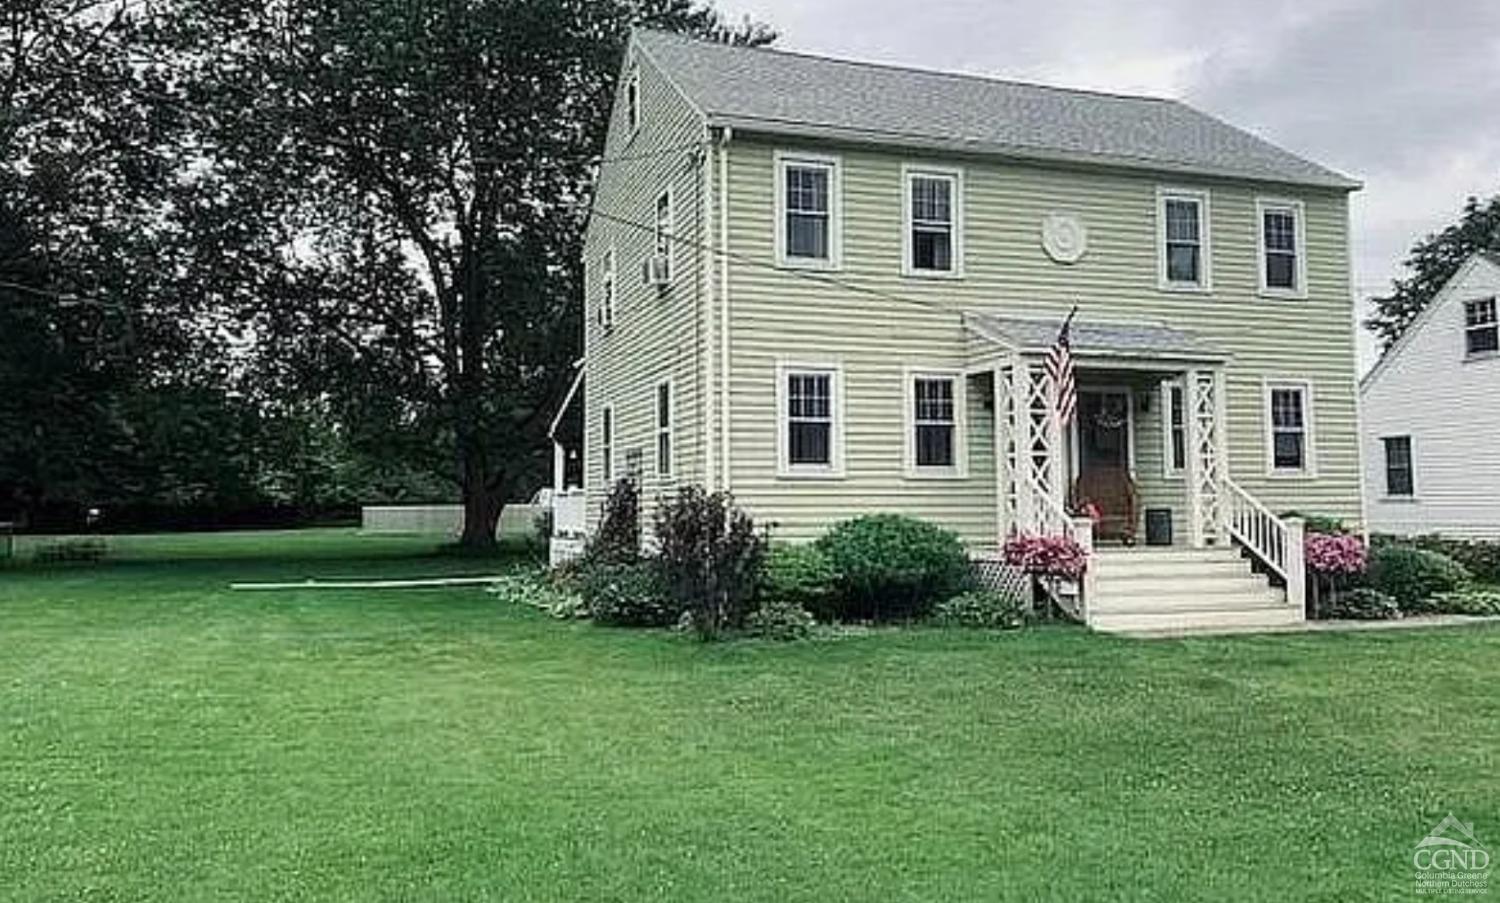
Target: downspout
[(705, 314), (1359, 407), (725, 136)]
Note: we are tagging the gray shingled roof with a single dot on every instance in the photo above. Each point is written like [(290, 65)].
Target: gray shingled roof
[(772, 91), (1136, 340)]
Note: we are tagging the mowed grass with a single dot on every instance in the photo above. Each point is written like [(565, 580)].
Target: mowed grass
[(164, 738)]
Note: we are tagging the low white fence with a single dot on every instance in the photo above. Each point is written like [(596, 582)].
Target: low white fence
[(516, 520)]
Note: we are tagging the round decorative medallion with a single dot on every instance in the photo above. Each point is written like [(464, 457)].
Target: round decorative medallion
[(1064, 237)]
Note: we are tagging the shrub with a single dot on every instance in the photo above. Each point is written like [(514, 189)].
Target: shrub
[(1471, 600), (980, 608), (618, 539), (780, 619), (92, 548), (708, 557), (1480, 557), (535, 589), (1319, 523), (1048, 557), (801, 574), (1335, 554), (1362, 603), (891, 566), (627, 595), (1412, 576)]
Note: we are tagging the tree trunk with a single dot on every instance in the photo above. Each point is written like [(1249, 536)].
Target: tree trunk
[(481, 517)]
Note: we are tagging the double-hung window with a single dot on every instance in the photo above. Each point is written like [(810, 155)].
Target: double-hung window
[(662, 234), (607, 292), (1289, 427), (1175, 415), (664, 429), (934, 222), (1282, 261), (1183, 239), (807, 211), (1481, 328), (607, 446), (810, 401), (935, 442), (1399, 480)]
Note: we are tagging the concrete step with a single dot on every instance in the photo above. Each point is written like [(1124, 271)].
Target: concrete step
[(1195, 584), (1180, 621), (1122, 572), (1244, 600)]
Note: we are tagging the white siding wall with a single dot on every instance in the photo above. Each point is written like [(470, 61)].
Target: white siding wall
[(1450, 407)]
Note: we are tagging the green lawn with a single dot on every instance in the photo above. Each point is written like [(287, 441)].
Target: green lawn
[(163, 738)]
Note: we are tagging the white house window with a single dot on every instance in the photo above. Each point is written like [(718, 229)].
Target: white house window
[(1398, 466), (935, 402), (664, 429), (662, 233), (933, 225), (1182, 235), (1288, 423), (807, 211), (1175, 402), (607, 292), (607, 445), (1282, 261), (1481, 329), (809, 398), (633, 100)]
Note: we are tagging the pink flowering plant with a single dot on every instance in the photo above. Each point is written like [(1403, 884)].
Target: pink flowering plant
[(1335, 555), (1046, 557)]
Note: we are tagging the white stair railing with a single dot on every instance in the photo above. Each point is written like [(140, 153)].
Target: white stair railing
[(1050, 518), (1276, 541)]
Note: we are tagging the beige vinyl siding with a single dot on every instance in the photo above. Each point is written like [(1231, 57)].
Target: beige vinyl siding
[(657, 334), (777, 314)]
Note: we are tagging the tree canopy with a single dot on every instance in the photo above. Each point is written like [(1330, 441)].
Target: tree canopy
[(1432, 262)]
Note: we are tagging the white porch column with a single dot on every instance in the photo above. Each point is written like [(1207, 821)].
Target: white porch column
[(1191, 461), (1020, 409), (559, 467), (1221, 456), (1000, 392)]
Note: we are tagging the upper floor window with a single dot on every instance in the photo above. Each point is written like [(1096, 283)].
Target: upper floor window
[(662, 236), (810, 402), (607, 292), (807, 211), (933, 208), (1481, 329), (664, 429), (1398, 466), (1282, 260), (1182, 236), (633, 100), (1289, 427)]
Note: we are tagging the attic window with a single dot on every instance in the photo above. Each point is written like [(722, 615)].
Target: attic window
[(1481, 329), (633, 100)]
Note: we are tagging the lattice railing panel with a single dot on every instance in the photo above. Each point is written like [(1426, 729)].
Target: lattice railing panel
[(992, 573), (1210, 471)]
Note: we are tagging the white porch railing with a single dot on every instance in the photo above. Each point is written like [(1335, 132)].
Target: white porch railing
[(1050, 518), (1277, 541)]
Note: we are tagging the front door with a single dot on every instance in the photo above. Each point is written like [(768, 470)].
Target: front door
[(1101, 454)]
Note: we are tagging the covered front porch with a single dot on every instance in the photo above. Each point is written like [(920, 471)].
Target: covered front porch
[(1145, 459)]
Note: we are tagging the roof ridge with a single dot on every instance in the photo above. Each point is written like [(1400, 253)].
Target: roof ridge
[(918, 70)]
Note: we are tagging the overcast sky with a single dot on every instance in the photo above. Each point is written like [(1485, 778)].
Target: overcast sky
[(1401, 94)]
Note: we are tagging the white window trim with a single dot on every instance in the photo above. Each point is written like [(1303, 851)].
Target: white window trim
[(960, 468), (1169, 469), (608, 471), (1205, 283), (1298, 212), (608, 296), (1309, 467), (834, 164), (633, 116), (1466, 329), (955, 176), (834, 470), (669, 429), (1385, 469), (668, 237)]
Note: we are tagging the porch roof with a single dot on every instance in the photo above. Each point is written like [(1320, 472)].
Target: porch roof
[(1124, 341)]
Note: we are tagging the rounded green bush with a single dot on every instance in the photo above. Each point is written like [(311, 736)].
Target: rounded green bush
[(892, 567), (1468, 601), (1413, 576), (627, 595), (1363, 603), (801, 574), (778, 619), (980, 608)]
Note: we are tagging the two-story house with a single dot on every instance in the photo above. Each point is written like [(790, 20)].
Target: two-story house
[(830, 287), (1431, 424)]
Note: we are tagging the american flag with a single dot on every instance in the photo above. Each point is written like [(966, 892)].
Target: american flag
[(1060, 368)]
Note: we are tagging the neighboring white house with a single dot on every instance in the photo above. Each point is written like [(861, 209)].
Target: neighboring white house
[(1431, 417)]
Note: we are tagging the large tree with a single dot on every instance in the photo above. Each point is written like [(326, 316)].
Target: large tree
[(391, 196), (1432, 262)]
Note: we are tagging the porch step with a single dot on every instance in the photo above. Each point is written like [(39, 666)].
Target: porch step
[(1177, 590)]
